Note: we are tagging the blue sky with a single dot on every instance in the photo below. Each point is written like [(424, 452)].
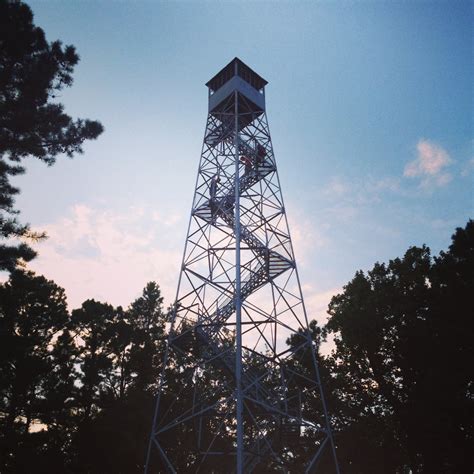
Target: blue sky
[(370, 106)]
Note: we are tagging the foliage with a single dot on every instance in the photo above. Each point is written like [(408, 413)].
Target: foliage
[(77, 390), (76, 387), (32, 123), (119, 364), (35, 364), (403, 355)]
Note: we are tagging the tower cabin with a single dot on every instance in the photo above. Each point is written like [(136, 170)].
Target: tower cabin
[(236, 81)]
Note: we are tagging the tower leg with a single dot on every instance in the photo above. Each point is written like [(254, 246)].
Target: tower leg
[(238, 302)]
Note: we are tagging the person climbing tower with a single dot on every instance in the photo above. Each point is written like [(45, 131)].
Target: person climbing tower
[(213, 187), (261, 154), (212, 195), (247, 161)]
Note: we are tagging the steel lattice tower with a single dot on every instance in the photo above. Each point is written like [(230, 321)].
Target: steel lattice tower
[(240, 389)]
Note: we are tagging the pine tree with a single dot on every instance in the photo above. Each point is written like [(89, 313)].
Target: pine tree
[(32, 123)]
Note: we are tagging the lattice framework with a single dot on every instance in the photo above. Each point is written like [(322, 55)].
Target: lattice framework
[(247, 399)]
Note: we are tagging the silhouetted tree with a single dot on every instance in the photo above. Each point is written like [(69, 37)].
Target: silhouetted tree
[(403, 333), (34, 350), (97, 326), (77, 392), (120, 358), (32, 123), (147, 320)]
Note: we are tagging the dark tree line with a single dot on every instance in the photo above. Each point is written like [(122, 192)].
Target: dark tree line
[(401, 374), (77, 388)]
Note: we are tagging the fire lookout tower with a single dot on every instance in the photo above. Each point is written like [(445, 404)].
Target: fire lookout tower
[(247, 397)]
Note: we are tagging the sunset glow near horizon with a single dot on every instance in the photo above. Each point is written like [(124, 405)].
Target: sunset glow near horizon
[(370, 108)]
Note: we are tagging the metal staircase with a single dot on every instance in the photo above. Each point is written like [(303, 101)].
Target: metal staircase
[(273, 264)]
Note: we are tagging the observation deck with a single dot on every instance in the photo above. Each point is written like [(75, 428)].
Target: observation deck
[(250, 88)]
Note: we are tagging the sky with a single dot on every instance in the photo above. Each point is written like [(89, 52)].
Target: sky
[(370, 106)]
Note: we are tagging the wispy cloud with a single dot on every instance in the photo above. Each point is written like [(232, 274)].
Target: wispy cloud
[(359, 192), (110, 255), (430, 165), (381, 185), (336, 188)]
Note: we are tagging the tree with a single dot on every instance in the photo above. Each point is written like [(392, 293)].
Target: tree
[(96, 324), (32, 123), (403, 353), (147, 318), (36, 367), (119, 362), (76, 391)]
